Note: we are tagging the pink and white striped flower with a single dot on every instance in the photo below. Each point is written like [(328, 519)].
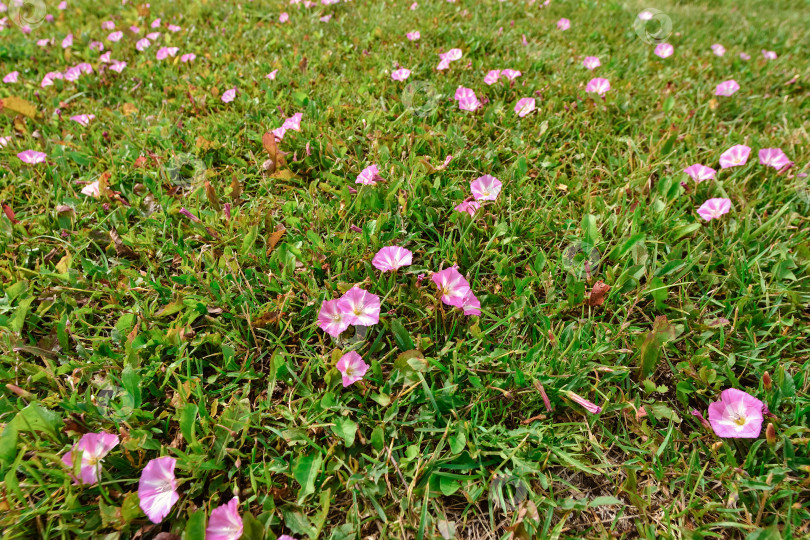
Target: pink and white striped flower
[(774, 157), (351, 367), (598, 86), (157, 488), (391, 258), (225, 522), (591, 62), (737, 415), (413, 36), (718, 49), (699, 172), (401, 74), (736, 156), (492, 76), (331, 319), (524, 106), (91, 450), (228, 95), (727, 88), (563, 24), (714, 208), (32, 157), (664, 50), (369, 176), (486, 188), (360, 307), (467, 101), (83, 119), (452, 286)]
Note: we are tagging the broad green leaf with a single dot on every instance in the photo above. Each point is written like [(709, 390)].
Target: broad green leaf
[(305, 470)]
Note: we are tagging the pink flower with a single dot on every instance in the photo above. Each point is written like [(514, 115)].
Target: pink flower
[(413, 36), (485, 188), (165, 52), (43, 42), (115, 36), (391, 258), (587, 405), (511, 74), (700, 172), (468, 206), (369, 176), (414, 6), (450, 56), (351, 367), (664, 50), (769, 55), (272, 75), (524, 106), (285, 537), (105, 58), (331, 319), (174, 28), (143, 44), (773, 157), (401, 74), (326, 18), (4, 141), (466, 99), (153, 36), (284, 17), (91, 448), (492, 76), (293, 122), (11, 77), (134, 29), (85, 68), (735, 156), (737, 415), (591, 62), (188, 57), (47, 80), (360, 307), (32, 157), (598, 85), (73, 74), (62, 6), (745, 56), (228, 95), (156, 23), (452, 286), (96, 46), (83, 119), (68, 41), (225, 522), (118, 66), (471, 305), (93, 189), (563, 24), (718, 49), (157, 488), (726, 88), (714, 208)]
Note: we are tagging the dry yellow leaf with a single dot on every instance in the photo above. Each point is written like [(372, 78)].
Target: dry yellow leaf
[(14, 105)]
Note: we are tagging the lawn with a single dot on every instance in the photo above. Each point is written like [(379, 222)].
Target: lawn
[(571, 332)]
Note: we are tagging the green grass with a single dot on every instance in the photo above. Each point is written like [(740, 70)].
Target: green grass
[(199, 341)]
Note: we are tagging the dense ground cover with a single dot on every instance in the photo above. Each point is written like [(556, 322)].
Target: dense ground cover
[(166, 261)]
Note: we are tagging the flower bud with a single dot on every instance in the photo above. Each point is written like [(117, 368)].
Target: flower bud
[(770, 434), (766, 381)]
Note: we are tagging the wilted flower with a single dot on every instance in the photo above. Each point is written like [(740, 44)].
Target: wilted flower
[(736, 415), (369, 176), (188, 57), (115, 36), (83, 119), (587, 405), (93, 189), (471, 305)]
